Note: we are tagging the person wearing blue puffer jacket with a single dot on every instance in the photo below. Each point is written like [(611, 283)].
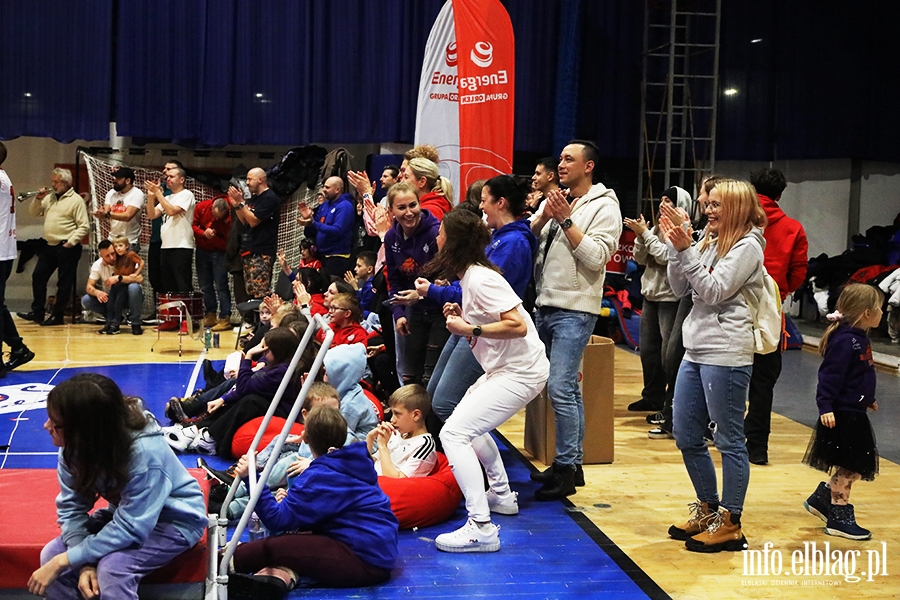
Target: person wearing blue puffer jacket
[(512, 248), (331, 226)]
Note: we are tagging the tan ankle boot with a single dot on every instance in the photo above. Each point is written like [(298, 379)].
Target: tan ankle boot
[(209, 319), (700, 515), (720, 534)]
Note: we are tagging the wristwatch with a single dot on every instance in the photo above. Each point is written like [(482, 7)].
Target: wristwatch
[(240, 205), (476, 331), (566, 223)]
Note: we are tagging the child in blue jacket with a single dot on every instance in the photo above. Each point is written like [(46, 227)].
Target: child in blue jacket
[(345, 533)]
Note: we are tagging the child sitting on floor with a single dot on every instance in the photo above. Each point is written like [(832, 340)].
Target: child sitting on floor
[(403, 447), (295, 454), (347, 534)]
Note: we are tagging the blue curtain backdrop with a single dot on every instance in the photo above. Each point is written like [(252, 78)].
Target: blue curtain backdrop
[(271, 72), (55, 63), (821, 83)]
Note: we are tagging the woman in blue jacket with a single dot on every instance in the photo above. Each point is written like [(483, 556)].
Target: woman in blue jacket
[(111, 448), (512, 249), (344, 533)]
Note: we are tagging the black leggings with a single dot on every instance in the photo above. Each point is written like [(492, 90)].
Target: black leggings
[(329, 562), (427, 336), (225, 422)]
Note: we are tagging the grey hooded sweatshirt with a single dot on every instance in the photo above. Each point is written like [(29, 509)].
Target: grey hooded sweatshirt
[(719, 328)]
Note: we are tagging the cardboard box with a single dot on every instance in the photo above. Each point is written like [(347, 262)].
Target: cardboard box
[(596, 379)]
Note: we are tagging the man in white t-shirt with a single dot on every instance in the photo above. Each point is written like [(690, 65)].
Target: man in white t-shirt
[(19, 353), (122, 208), (177, 251), (100, 281)]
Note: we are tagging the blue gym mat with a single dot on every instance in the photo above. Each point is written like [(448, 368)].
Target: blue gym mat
[(550, 550)]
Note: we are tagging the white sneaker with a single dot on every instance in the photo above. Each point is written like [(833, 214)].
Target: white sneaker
[(508, 505), (179, 437), (203, 442), (470, 538)]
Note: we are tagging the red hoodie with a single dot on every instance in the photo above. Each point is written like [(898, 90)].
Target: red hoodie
[(351, 334), (786, 248), (436, 204)]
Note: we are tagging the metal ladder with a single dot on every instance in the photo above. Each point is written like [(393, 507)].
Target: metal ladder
[(679, 92)]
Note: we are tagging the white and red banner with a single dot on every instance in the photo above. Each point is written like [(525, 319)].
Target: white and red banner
[(466, 104)]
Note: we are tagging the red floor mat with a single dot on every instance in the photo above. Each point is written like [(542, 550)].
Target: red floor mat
[(28, 522)]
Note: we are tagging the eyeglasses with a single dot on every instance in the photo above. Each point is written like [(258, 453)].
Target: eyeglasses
[(336, 308)]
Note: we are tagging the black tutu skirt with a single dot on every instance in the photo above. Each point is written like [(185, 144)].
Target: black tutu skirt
[(849, 444)]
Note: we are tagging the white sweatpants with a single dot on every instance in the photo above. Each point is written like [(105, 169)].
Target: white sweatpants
[(466, 437)]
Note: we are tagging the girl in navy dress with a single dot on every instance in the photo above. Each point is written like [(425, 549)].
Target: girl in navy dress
[(843, 442)]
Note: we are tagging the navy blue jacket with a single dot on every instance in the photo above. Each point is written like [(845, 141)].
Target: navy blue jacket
[(512, 248), (338, 496), (847, 372), (405, 257), (332, 226)]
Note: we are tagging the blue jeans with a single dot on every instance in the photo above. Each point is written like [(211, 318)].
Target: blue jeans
[(212, 276), (565, 334), (135, 302), (454, 373), (723, 391)]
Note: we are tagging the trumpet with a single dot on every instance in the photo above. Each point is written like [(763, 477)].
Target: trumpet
[(23, 196)]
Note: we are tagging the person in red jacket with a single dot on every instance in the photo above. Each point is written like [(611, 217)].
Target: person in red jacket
[(785, 258), (345, 317), (435, 192), (211, 225)]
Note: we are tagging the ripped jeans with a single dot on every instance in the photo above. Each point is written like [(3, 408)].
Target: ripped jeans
[(722, 391)]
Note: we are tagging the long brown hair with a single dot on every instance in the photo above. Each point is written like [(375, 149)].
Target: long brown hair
[(740, 211), (466, 238), (854, 301), (98, 425)]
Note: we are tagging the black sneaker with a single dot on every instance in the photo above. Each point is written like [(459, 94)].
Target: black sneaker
[(255, 587), (215, 474), (656, 418), (104, 331), (113, 330), (136, 330), (19, 357)]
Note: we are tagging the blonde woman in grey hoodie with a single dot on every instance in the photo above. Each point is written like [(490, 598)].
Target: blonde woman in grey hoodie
[(660, 350), (724, 276)]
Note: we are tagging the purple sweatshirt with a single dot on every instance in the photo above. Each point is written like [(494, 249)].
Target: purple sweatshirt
[(847, 372), (264, 382), (405, 256)]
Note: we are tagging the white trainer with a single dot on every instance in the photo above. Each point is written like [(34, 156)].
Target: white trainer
[(509, 505), (203, 443), (470, 538), (179, 437)]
